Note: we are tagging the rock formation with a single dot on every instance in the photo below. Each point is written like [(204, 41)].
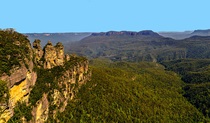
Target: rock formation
[(50, 56), (37, 50), (23, 79), (19, 82), (41, 111)]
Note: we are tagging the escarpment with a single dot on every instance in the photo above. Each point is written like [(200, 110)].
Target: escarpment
[(38, 83)]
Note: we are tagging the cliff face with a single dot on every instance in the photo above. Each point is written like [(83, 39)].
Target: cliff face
[(41, 110), (23, 78), (60, 89)]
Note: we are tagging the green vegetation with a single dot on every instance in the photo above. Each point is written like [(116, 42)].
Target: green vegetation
[(126, 47), (195, 72), (130, 92), (199, 95), (74, 60), (121, 91), (135, 48), (191, 70), (21, 110), (47, 78), (4, 90), (13, 49)]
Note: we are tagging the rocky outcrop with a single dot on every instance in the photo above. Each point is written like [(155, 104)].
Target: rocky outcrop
[(23, 79), (60, 93), (69, 83), (50, 56), (37, 50), (19, 81), (41, 111), (59, 53)]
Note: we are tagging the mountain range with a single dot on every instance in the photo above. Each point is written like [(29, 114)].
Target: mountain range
[(140, 46), (72, 37), (129, 77), (185, 34)]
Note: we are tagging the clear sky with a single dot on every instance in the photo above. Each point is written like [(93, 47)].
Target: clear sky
[(104, 15)]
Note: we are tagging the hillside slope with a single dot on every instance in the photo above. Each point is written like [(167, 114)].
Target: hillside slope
[(140, 46), (186, 34), (128, 46), (131, 92), (196, 73)]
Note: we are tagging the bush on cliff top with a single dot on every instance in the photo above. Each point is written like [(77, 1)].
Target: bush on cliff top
[(13, 49)]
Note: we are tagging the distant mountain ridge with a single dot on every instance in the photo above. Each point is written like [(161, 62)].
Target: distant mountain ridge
[(128, 46), (185, 34), (201, 32), (66, 38), (128, 33), (140, 46), (176, 35)]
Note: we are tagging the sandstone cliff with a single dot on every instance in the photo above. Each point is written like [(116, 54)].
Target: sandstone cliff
[(24, 69), (21, 76), (51, 56), (61, 85)]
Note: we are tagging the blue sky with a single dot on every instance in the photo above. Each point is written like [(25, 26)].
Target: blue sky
[(104, 15)]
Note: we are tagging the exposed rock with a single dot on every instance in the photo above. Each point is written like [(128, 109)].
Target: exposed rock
[(23, 78), (6, 115), (60, 54), (40, 112), (19, 88), (19, 81), (53, 56), (37, 50), (20, 91), (69, 83), (50, 56), (67, 57)]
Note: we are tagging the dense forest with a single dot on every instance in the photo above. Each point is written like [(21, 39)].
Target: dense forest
[(171, 88), (188, 57), (195, 73), (131, 92)]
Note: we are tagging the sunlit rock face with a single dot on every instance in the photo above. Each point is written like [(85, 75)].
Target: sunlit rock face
[(40, 112), (23, 78), (51, 56), (19, 84), (60, 54), (19, 81), (37, 50)]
